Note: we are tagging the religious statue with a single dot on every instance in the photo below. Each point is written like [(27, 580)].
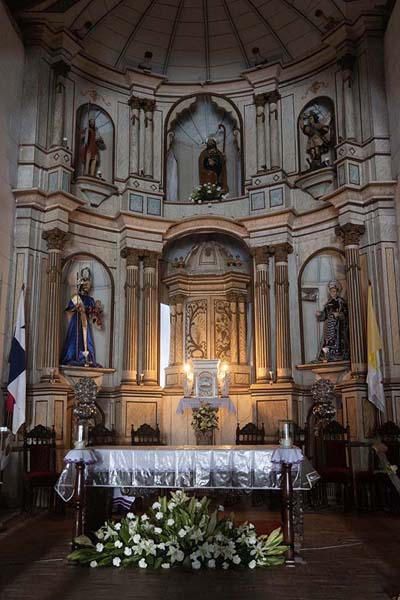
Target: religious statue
[(335, 339), (92, 143), (319, 139), (78, 347), (212, 166)]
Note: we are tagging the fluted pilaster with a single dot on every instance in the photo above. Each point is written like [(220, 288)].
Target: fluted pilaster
[(134, 103), (61, 70), (351, 234), (148, 107), (283, 347), (259, 101), (150, 317), (349, 126), (262, 316), (56, 239), (131, 326), (273, 99)]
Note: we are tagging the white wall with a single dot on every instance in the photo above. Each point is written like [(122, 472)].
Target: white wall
[(392, 68), (12, 58)]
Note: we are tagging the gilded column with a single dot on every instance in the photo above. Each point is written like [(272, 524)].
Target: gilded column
[(350, 234), (179, 329), (262, 316), (347, 63), (131, 325), (61, 70), (283, 349), (172, 332), (273, 99), (55, 239), (150, 318), (242, 330), (148, 108), (134, 103), (259, 101), (232, 299)]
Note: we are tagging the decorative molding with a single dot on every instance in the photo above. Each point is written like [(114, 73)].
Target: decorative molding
[(281, 251), (350, 233), (261, 255), (55, 238), (132, 256)]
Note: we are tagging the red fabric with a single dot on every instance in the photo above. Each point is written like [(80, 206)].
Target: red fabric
[(10, 403)]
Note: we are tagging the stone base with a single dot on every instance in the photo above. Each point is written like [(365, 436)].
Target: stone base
[(334, 371), (93, 190), (317, 183)]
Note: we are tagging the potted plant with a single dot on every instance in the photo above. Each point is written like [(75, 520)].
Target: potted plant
[(204, 421), (206, 193)]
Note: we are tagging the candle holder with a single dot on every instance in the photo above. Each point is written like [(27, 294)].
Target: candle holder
[(286, 433)]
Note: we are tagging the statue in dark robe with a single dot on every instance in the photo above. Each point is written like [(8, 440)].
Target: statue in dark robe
[(335, 314), (84, 310), (212, 166)]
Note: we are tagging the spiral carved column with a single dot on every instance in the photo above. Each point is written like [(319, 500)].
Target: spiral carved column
[(131, 329), (150, 318), (55, 239), (134, 103), (262, 314), (283, 349), (260, 100), (350, 234)]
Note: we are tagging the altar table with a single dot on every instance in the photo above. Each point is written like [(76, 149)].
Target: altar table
[(188, 467)]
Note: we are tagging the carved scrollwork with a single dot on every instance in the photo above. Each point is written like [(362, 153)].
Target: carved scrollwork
[(222, 329), (196, 329)]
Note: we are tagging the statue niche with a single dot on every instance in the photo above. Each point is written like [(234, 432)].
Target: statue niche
[(335, 315), (316, 125), (95, 143)]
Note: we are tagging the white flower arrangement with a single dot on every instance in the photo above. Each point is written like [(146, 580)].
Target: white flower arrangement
[(206, 192), (205, 417), (188, 535)]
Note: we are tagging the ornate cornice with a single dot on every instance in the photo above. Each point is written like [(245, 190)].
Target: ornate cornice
[(273, 97), (55, 238), (134, 102), (260, 99), (132, 256), (281, 251), (350, 233), (148, 104)]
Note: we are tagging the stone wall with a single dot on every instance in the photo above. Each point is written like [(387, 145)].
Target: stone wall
[(12, 57)]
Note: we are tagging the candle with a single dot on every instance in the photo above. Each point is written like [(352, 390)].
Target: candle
[(80, 433)]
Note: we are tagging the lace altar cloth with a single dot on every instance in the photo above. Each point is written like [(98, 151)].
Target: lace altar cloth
[(196, 403), (190, 467)]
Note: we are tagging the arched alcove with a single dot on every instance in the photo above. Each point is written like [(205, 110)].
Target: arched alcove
[(325, 266), (94, 136), (101, 290), (190, 123), (316, 134)]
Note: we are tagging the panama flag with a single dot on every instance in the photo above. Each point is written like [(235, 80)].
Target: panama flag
[(16, 389), (376, 393)]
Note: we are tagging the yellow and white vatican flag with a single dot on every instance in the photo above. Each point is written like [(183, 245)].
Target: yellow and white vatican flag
[(376, 393)]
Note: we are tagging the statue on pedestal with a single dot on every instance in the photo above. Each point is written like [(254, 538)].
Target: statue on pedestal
[(92, 143), (212, 166), (335, 314), (319, 139), (78, 346)]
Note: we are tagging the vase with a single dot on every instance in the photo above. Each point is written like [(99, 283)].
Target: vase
[(205, 438)]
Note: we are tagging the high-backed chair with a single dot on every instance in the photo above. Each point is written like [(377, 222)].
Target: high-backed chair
[(250, 435), (99, 435), (387, 496), (39, 464), (334, 460), (145, 435)]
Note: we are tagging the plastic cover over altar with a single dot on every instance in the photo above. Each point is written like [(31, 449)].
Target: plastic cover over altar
[(191, 467)]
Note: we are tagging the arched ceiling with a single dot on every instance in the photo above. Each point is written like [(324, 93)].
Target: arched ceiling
[(196, 40)]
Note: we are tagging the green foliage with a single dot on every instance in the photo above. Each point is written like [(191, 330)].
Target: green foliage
[(205, 417), (177, 531), (206, 193)]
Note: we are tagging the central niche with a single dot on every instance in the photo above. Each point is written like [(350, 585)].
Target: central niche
[(203, 146), (206, 284)]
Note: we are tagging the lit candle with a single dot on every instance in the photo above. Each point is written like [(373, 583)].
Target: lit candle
[(80, 433)]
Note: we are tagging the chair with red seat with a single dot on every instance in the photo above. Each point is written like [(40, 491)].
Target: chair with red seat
[(39, 464), (334, 460)]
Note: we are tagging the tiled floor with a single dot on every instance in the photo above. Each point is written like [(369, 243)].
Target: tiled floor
[(349, 557)]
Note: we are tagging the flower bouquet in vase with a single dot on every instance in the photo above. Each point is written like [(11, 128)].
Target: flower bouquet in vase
[(204, 421)]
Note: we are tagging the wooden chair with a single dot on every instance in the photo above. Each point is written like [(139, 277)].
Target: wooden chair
[(334, 460), (145, 435), (99, 435), (39, 465), (250, 435)]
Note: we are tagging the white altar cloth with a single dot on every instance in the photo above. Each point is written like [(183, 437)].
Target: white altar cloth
[(196, 403), (191, 467)]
